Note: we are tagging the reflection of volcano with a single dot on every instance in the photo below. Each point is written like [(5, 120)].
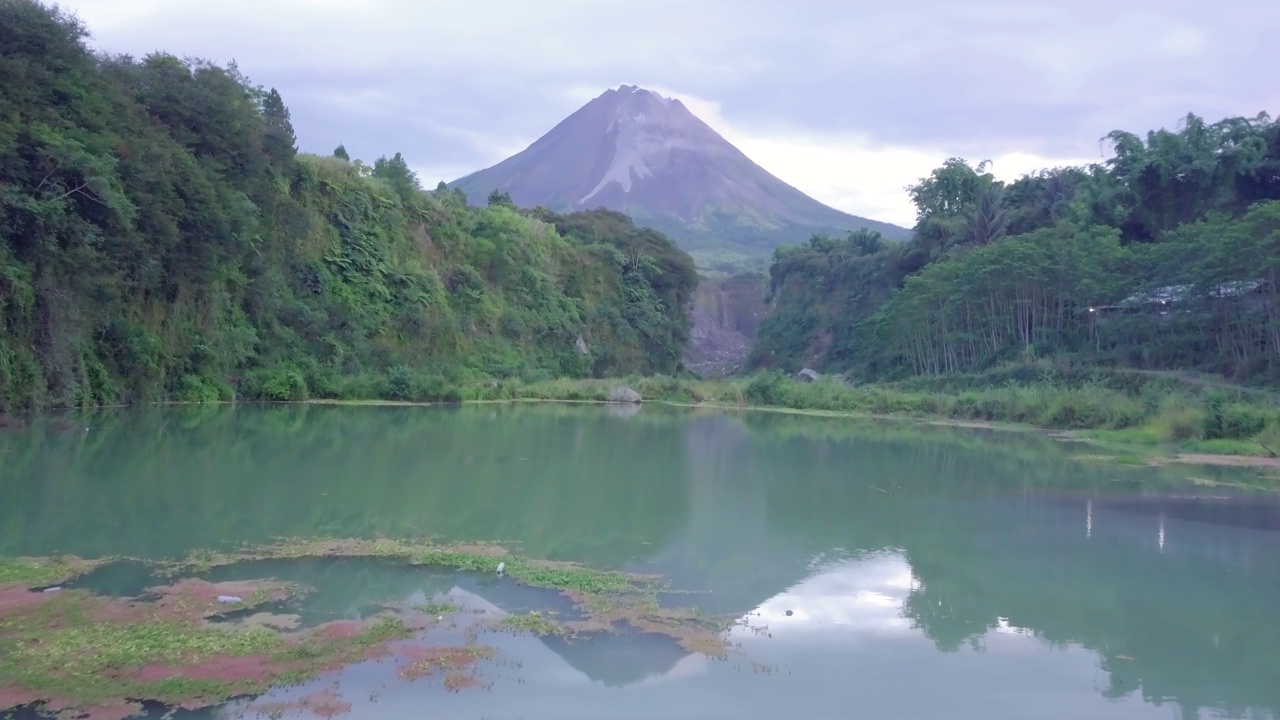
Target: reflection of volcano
[(619, 660), (614, 659), (727, 550), (893, 542)]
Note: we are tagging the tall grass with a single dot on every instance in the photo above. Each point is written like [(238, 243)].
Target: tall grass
[(1133, 410), (1122, 406)]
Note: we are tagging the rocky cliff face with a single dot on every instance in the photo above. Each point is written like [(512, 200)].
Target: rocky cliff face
[(726, 315), (648, 156)]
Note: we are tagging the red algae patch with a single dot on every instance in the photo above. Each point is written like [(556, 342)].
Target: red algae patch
[(340, 629), (424, 661), (194, 598), (456, 682), (14, 697), (222, 669), (15, 597), (326, 703), (195, 643), (76, 654), (411, 552), (605, 614)]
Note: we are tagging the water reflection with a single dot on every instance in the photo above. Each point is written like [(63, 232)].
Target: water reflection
[(864, 595), (929, 572)]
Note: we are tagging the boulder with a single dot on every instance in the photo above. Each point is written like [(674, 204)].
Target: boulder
[(624, 394), (807, 375), (581, 346)]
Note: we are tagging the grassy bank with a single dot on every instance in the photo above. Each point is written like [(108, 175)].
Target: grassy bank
[(1143, 410)]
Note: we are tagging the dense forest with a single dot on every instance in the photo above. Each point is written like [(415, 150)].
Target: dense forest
[(162, 238), (1164, 257)]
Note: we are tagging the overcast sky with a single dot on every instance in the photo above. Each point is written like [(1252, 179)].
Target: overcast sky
[(849, 101)]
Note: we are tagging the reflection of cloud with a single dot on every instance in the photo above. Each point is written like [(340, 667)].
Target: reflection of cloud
[(864, 594), (1004, 628)]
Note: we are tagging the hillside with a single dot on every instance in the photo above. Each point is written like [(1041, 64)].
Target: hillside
[(161, 238), (636, 152), (1165, 257)]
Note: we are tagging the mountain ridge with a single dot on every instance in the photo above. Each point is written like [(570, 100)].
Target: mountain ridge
[(648, 156)]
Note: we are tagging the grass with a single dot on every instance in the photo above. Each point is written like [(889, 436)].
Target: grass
[(605, 597), (473, 557), (534, 622), (43, 572), (1140, 410), (90, 654), (440, 608)]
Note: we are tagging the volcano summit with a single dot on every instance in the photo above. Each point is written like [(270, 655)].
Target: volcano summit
[(648, 156)]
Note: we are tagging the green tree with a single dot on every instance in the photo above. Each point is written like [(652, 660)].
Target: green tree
[(500, 197), (279, 142), (396, 172), (1157, 258), (149, 249)]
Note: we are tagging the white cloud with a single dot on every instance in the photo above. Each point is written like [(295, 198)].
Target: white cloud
[(850, 172), (849, 102)]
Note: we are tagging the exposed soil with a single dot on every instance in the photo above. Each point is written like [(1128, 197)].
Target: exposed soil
[(1228, 460)]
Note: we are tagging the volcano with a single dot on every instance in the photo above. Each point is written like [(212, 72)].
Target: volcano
[(637, 152)]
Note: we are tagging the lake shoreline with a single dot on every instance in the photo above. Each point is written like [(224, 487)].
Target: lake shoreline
[(1151, 454), (1158, 420)]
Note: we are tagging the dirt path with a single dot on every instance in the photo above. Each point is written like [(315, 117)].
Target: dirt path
[(1228, 460)]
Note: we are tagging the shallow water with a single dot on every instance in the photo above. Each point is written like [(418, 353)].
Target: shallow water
[(928, 572)]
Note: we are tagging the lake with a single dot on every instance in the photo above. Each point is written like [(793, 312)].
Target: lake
[(874, 569)]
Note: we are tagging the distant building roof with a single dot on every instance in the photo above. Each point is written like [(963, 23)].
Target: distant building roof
[(1177, 293)]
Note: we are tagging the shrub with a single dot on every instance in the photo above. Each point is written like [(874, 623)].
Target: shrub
[(283, 382)]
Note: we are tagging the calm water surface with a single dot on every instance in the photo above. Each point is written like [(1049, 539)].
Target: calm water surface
[(929, 572)]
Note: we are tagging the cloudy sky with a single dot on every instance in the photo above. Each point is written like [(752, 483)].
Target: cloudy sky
[(849, 101)]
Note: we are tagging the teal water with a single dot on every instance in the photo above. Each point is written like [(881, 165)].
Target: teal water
[(929, 572)]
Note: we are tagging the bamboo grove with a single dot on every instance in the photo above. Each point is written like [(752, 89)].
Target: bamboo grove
[(1166, 256)]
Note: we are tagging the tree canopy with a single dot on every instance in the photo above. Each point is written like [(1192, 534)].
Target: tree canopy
[(162, 237), (1164, 257)]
